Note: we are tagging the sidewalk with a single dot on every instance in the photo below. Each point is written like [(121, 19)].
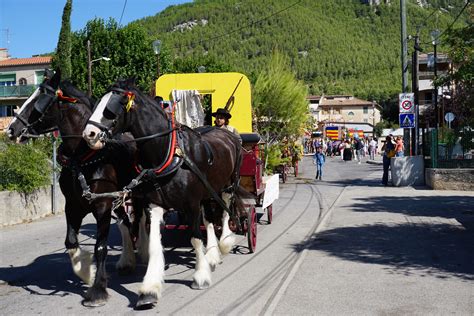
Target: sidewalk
[(392, 250)]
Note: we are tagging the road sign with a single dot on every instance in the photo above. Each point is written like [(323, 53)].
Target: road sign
[(407, 120), (406, 102), (449, 117)]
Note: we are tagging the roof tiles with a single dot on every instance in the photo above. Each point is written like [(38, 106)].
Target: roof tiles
[(26, 61)]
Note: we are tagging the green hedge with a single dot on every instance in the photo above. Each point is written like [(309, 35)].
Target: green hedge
[(24, 168)]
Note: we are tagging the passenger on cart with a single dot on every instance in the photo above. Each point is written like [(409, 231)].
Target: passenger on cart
[(222, 120)]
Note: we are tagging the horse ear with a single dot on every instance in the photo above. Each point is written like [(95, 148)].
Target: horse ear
[(131, 81), (55, 79)]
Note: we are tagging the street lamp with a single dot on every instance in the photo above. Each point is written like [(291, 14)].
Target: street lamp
[(435, 40), (157, 49), (89, 67)]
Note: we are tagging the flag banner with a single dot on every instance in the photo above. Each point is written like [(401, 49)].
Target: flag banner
[(332, 132)]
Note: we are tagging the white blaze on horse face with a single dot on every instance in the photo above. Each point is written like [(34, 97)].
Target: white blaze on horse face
[(91, 132), (24, 106)]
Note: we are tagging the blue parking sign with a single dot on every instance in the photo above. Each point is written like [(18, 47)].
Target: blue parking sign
[(407, 120)]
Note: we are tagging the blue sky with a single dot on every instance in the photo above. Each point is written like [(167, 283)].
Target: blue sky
[(31, 27)]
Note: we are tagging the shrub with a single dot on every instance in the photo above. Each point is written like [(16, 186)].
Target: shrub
[(24, 168)]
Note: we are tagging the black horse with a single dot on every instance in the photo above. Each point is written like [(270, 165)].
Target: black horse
[(61, 106), (210, 169)]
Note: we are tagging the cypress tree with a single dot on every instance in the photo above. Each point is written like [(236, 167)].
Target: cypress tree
[(62, 59)]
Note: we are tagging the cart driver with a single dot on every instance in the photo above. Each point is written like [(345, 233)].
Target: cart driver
[(222, 120)]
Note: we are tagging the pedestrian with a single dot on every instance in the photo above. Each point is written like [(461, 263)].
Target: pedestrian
[(399, 148), (388, 152), (372, 148), (347, 151), (319, 160), (359, 147)]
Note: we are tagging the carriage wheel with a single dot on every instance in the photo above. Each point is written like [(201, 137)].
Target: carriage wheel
[(270, 213), (252, 229), (296, 169)]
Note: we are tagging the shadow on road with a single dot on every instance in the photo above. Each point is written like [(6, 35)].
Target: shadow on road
[(436, 250), (424, 244)]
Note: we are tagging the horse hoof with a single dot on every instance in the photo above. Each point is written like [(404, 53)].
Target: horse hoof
[(196, 286), (146, 301), (94, 303)]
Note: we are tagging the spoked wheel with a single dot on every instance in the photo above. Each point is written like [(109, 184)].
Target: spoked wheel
[(270, 213), (252, 229)]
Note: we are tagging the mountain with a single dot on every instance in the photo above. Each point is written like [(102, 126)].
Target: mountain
[(334, 46)]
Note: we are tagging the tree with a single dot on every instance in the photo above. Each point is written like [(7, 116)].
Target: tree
[(461, 51), (279, 102), (62, 58), (130, 52)]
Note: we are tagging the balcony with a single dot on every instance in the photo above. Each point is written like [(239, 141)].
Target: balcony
[(22, 91)]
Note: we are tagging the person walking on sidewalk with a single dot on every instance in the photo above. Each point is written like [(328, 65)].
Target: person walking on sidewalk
[(388, 152), (319, 160)]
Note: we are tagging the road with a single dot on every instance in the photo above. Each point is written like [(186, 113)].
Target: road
[(300, 266)]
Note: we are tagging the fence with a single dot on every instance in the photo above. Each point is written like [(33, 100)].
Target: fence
[(448, 155)]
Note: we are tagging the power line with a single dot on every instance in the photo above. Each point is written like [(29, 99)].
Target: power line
[(245, 26), (452, 23), (123, 10)]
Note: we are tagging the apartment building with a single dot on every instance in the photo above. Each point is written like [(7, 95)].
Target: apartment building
[(345, 111), (19, 77)]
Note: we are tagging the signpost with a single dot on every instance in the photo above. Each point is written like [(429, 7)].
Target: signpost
[(449, 117), (407, 102), (407, 120), (407, 116)]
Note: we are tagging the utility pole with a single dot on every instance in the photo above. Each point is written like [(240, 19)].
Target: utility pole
[(404, 53), (415, 90), (89, 69), (403, 39)]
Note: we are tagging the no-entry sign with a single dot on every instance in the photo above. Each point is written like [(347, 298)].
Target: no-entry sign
[(406, 102)]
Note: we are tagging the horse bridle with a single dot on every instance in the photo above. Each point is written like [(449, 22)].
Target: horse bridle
[(53, 96)]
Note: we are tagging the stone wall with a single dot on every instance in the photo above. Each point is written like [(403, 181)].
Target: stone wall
[(16, 208), (450, 179)]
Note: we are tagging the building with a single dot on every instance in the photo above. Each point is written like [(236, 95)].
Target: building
[(425, 79), (345, 111), (19, 77)]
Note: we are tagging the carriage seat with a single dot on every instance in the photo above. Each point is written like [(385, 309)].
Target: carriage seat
[(250, 138)]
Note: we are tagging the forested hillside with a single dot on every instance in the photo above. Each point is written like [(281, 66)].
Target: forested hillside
[(335, 46)]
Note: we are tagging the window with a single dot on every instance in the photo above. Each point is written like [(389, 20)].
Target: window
[(366, 110), (22, 81), (39, 75), (7, 79), (6, 110), (366, 120), (350, 113)]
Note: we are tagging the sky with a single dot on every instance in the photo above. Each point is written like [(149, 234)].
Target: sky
[(31, 27)]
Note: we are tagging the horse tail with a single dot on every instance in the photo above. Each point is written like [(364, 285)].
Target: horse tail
[(240, 195)]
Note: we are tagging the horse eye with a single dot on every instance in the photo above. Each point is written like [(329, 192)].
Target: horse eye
[(109, 114)]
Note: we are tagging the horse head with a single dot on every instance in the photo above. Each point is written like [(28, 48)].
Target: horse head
[(20, 126), (109, 116)]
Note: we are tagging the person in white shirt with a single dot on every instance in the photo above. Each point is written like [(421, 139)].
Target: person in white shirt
[(372, 148)]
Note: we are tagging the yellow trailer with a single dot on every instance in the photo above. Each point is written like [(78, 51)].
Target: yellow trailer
[(221, 86)]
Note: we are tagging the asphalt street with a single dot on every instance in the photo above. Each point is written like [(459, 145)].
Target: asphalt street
[(345, 245)]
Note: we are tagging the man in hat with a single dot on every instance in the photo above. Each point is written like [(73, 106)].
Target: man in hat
[(222, 120)]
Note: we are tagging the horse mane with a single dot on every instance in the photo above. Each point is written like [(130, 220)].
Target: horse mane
[(70, 90), (140, 97)]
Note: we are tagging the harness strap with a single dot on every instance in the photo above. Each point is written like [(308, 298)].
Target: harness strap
[(203, 179), (21, 119)]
